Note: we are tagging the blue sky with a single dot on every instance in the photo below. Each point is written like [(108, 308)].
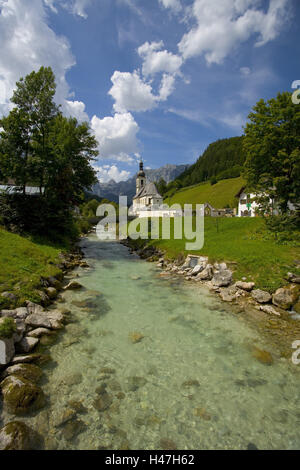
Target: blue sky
[(157, 79)]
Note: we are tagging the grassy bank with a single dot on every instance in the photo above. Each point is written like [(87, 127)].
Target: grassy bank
[(22, 263), (246, 245), (219, 195)]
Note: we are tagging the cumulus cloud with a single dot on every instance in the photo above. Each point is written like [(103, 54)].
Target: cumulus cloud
[(75, 109), (106, 173), (131, 93), (27, 43), (117, 136), (156, 60), (167, 87), (221, 26), (174, 5)]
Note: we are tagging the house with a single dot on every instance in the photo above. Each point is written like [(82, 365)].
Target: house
[(248, 207), (10, 187), (210, 211), (147, 196)]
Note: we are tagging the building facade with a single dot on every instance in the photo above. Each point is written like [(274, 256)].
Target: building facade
[(147, 196)]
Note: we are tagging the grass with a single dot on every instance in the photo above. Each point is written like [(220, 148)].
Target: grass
[(247, 246), (219, 195), (23, 261)]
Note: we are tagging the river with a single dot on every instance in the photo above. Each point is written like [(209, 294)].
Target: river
[(152, 362)]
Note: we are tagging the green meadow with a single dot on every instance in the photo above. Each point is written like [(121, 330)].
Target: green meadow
[(22, 263), (245, 244), (219, 195)]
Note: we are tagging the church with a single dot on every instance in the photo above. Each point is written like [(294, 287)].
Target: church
[(147, 196)]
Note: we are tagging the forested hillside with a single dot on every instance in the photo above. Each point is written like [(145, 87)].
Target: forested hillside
[(222, 159)]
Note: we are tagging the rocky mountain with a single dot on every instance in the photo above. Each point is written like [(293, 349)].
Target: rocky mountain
[(113, 190)]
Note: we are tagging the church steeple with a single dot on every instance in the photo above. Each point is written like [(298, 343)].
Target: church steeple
[(141, 178)]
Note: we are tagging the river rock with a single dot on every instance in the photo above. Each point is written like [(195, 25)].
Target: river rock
[(293, 278), (262, 356), (103, 402), (54, 282), (51, 292), (29, 372), (38, 332), (247, 286), (9, 295), (16, 435), (269, 309), (206, 274), (52, 320), (20, 396), (197, 269), (285, 297), (72, 429), (7, 350), (167, 444), (261, 296), (227, 295), (73, 285), (29, 358), (222, 278), (136, 337), (34, 308), (134, 383), (27, 344), (296, 307)]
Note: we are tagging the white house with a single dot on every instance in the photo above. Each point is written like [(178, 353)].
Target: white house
[(248, 207), (10, 188)]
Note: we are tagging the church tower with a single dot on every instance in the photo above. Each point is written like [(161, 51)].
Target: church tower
[(141, 178)]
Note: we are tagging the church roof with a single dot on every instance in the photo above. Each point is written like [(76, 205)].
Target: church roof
[(148, 190)]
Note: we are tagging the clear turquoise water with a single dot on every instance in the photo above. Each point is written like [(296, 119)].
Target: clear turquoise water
[(230, 401)]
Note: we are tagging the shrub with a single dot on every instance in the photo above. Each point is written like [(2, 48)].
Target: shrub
[(7, 327)]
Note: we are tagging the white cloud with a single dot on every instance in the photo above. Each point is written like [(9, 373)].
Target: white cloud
[(155, 60), (245, 71), (174, 5), (116, 136), (167, 87), (77, 7), (106, 173), (75, 109), (27, 43), (131, 93), (221, 26)]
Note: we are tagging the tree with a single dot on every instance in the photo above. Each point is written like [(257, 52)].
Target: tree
[(73, 149), (161, 186), (272, 148), (24, 144), (38, 145)]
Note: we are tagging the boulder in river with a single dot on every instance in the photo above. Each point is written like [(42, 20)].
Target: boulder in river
[(27, 344), (206, 274), (73, 285), (16, 435), (29, 372), (136, 337), (7, 350), (20, 396), (247, 286), (261, 296), (222, 278), (285, 297)]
